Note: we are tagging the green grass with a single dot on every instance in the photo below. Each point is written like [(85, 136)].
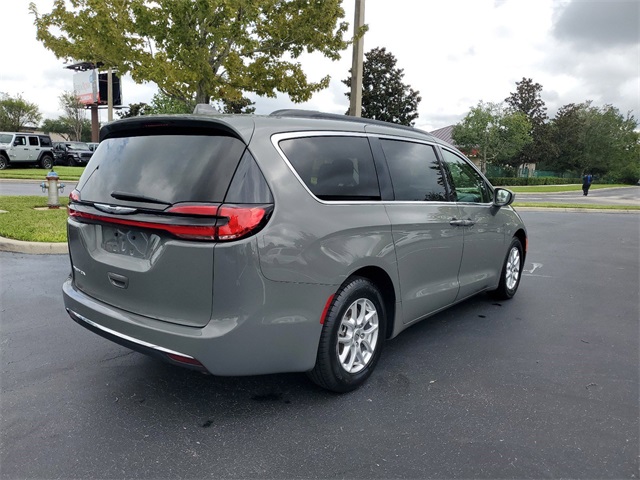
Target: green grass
[(22, 222), (576, 205), (65, 173), (559, 188)]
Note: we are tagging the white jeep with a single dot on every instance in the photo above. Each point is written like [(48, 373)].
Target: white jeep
[(25, 148)]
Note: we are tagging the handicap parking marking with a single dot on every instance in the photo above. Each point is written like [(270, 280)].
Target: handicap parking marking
[(534, 267)]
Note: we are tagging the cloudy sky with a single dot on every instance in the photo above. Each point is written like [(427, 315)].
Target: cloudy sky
[(455, 52)]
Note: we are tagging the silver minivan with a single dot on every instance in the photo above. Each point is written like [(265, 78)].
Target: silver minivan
[(294, 242)]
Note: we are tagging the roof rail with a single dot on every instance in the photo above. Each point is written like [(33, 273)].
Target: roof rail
[(294, 112)]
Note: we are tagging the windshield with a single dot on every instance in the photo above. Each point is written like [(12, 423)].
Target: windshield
[(78, 146), (5, 137)]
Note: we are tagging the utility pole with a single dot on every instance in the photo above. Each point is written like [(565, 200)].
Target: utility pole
[(110, 95), (355, 108)]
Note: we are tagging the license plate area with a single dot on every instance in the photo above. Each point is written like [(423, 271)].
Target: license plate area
[(128, 241)]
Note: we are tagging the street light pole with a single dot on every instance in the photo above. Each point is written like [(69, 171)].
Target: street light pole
[(355, 108)]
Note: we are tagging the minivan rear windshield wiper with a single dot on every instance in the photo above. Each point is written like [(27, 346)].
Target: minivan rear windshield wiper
[(137, 198)]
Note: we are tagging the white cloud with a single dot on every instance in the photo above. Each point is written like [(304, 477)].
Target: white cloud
[(455, 53)]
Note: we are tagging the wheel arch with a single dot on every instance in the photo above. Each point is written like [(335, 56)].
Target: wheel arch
[(522, 236), (382, 280)]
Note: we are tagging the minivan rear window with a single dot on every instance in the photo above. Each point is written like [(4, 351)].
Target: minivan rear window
[(168, 168), (334, 168)]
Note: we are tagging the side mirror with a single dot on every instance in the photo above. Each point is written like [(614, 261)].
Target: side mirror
[(503, 197)]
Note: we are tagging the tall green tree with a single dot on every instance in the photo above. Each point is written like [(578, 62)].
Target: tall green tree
[(134, 110), (384, 96), (162, 103), (498, 134), (62, 127), (528, 99), (74, 114), (598, 140), (241, 105), (17, 113), (200, 49)]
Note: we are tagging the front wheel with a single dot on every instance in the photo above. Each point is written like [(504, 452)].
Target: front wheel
[(71, 162), (352, 337), (511, 271)]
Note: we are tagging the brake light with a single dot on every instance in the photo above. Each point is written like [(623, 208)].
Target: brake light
[(228, 222), (74, 196), (241, 221)]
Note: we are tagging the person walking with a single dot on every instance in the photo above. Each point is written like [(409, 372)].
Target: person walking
[(586, 183)]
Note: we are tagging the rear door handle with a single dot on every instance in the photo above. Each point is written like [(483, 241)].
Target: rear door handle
[(462, 223)]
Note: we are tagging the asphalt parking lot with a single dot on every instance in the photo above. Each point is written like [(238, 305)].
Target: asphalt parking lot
[(542, 386)]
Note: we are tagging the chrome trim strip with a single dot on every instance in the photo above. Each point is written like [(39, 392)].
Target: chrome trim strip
[(126, 337)]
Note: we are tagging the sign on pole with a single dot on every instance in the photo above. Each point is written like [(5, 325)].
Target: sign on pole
[(85, 86)]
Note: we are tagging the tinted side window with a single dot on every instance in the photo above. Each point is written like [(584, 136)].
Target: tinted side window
[(334, 168), (415, 171), (170, 168), (466, 184), (20, 141), (45, 141), (33, 141)]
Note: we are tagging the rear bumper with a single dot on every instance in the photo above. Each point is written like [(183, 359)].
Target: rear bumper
[(273, 339), (136, 344)]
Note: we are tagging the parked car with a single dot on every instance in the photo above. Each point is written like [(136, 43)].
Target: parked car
[(92, 146), (72, 153), (18, 148), (295, 242)]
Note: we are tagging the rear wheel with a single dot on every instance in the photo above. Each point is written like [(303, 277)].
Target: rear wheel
[(4, 161), (46, 161), (352, 337), (511, 272)]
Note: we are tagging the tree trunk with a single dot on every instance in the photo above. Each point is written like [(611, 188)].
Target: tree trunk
[(201, 95)]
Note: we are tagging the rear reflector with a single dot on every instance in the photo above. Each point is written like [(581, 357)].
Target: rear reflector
[(326, 309), (182, 359)]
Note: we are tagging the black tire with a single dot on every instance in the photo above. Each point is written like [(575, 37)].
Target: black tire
[(511, 272), (46, 162), (356, 294), (71, 162), (4, 161)]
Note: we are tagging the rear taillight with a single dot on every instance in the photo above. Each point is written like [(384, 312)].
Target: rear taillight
[(228, 222), (74, 196), (241, 221)]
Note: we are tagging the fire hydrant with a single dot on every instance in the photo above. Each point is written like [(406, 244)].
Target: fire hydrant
[(53, 200)]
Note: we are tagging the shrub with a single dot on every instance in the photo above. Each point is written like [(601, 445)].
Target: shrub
[(523, 181)]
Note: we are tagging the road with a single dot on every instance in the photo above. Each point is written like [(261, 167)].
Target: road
[(542, 386), (606, 196), (29, 187)]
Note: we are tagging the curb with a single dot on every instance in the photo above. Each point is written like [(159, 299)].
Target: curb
[(33, 248)]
